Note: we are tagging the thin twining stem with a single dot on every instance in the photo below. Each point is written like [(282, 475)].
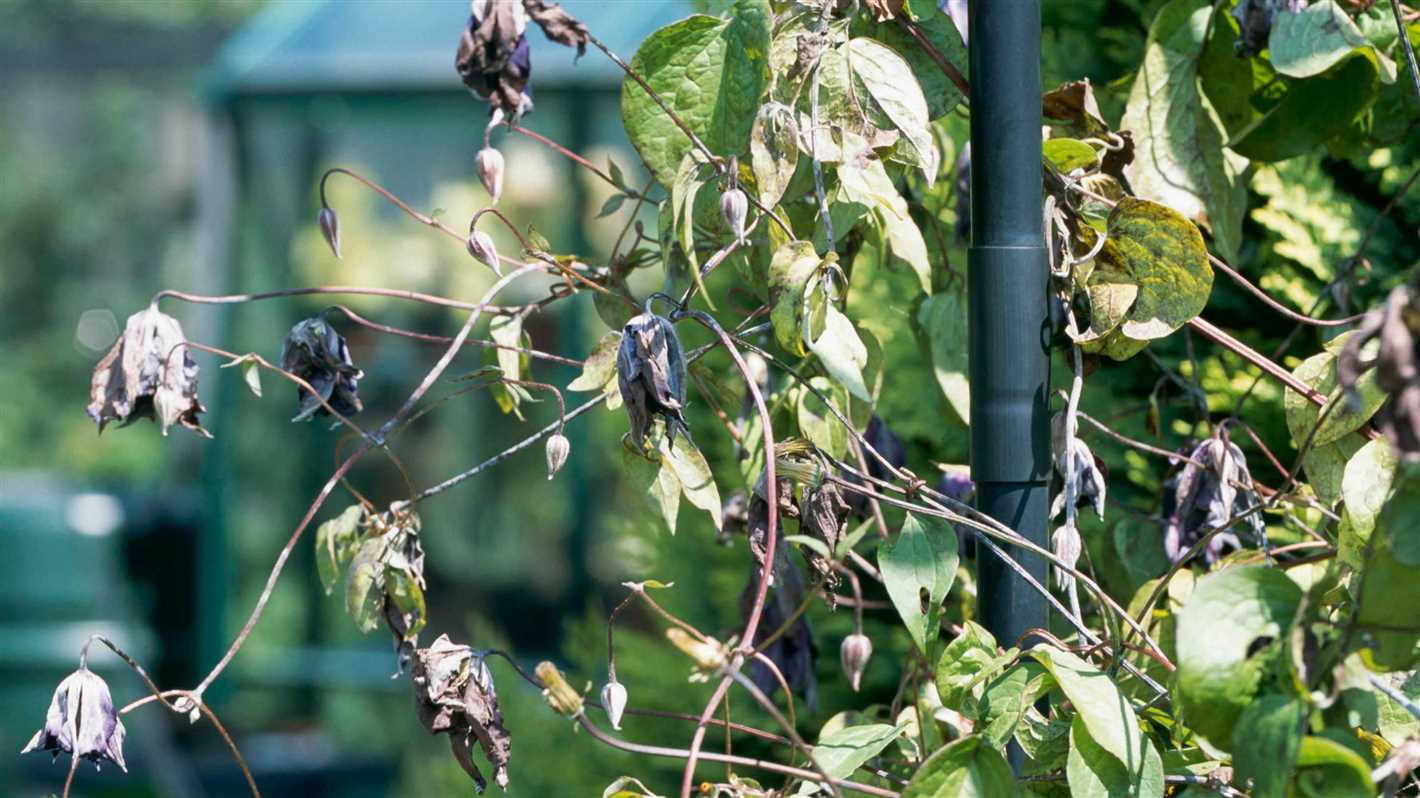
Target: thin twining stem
[(732, 759), (788, 726), (444, 339), (395, 293), (365, 445), (162, 697), (1221, 265)]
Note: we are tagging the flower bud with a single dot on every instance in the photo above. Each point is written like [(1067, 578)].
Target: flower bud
[(480, 246), (854, 654), (330, 228), (490, 172), (559, 694), (614, 701), (734, 206), (558, 448), (708, 654)]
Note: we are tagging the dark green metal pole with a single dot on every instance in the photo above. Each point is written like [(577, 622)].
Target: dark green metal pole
[(1008, 312)]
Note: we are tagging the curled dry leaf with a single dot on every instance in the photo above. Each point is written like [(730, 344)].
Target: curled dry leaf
[(558, 25), (316, 353), (149, 373), (1396, 325), (651, 373), (81, 721), (823, 514), (453, 693)]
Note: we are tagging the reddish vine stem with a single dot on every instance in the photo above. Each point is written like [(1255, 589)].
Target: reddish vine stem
[(1221, 265), (395, 293), (444, 339)]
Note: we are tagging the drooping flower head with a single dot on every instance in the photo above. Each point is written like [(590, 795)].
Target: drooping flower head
[(316, 353), (149, 373), (453, 693), (651, 373), (82, 722)]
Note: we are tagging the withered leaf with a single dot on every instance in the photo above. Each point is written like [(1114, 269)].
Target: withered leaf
[(559, 26)]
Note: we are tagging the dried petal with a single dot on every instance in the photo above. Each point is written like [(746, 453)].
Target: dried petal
[(558, 25), (854, 654), (454, 693), (490, 172), (823, 514), (81, 721), (708, 654), (558, 447), (330, 228), (480, 246), (316, 353), (149, 373), (650, 371), (614, 701), (1206, 494), (734, 206)]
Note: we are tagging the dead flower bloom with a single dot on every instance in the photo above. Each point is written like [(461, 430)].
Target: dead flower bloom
[(453, 693), (81, 721), (1396, 325), (1211, 489), (316, 353), (650, 371), (149, 373), (1087, 480)]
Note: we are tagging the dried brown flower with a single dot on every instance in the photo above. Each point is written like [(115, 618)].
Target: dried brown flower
[(316, 353), (149, 373), (1396, 324), (453, 693), (650, 371), (1212, 488)]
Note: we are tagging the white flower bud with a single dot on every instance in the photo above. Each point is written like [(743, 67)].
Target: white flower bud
[(330, 228), (480, 246), (490, 172), (734, 206), (614, 701), (854, 654), (558, 447)]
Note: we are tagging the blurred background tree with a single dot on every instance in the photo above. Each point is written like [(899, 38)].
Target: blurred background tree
[(149, 143)]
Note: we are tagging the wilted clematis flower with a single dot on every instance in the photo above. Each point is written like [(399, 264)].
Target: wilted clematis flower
[(650, 371), (316, 353), (823, 514), (493, 58), (1089, 477), (1397, 363), (1209, 491), (793, 652), (145, 375), (81, 721), (453, 693), (490, 172), (854, 654)]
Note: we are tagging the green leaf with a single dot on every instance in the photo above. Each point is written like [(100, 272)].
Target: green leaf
[(656, 481), (1266, 741), (921, 559), (1179, 159), (966, 768), (364, 586), (622, 787), (1165, 255), (936, 27), (335, 541), (599, 369), (1006, 700), (1094, 772), (790, 270), (1327, 768), (865, 182), (693, 474), (1316, 38), (1366, 484), (1228, 611), (817, 422), (1326, 464), (942, 320), (403, 589), (711, 72), (1319, 372), (843, 751), (841, 351), (1104, 709), (508, 331), (251, 371), (1400, 517), (1312, 110), (965, 665), (895, 100), (612, 205), (1067, 155), (773, 152)]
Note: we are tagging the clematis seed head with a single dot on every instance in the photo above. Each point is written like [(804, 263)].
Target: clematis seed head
[(330, 228), (558, 447), (490, 172), (480, 246), (614, 701), (854, 655)]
